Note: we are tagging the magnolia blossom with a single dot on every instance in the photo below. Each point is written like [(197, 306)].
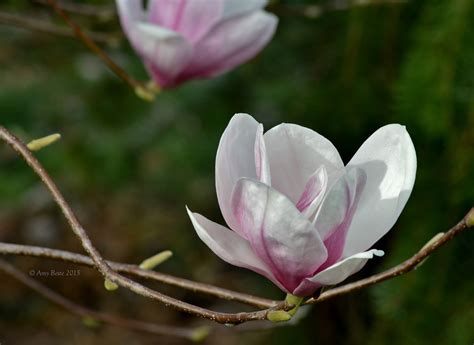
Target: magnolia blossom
[(297, 215), (187, 39)]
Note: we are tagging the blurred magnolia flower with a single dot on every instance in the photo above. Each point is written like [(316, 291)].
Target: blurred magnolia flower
[(299, 216), (180, 40)]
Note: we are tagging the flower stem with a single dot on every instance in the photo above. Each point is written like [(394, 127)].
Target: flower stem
[(293, 300)]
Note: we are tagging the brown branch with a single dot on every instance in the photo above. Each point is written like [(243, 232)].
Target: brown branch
[(103, 267), (406, 266), (140, 89), (37, 25), (81, 311), (61, 255), (103, 12)]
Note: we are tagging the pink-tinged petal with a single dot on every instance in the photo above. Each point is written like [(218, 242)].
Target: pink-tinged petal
[(230, 43), (192, 19), (336, 212), (313, 193), (389, 160), (295, 153), (130, 12), (229, 246), (261, 161), (235, 159), (336, 273), (165, 52), (280, 235)]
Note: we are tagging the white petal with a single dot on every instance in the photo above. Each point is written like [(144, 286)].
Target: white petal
[(295, 153), (389, 160), (338, 272), (279, 234), (229, 246), (235, 159), (261, 159)]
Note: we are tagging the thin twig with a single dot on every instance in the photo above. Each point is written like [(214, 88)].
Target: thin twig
[(65, 256), (103, 267), (81, 311), (137, 86), (37, 25), (103, 12)]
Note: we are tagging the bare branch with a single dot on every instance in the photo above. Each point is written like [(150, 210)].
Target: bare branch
[(37, 25), (81, 311), (54, 254)]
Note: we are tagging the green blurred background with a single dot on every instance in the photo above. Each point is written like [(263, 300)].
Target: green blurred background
[(128, 167)]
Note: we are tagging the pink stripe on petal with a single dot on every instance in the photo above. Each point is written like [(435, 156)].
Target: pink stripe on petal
[(337, 219), (313, 192)]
